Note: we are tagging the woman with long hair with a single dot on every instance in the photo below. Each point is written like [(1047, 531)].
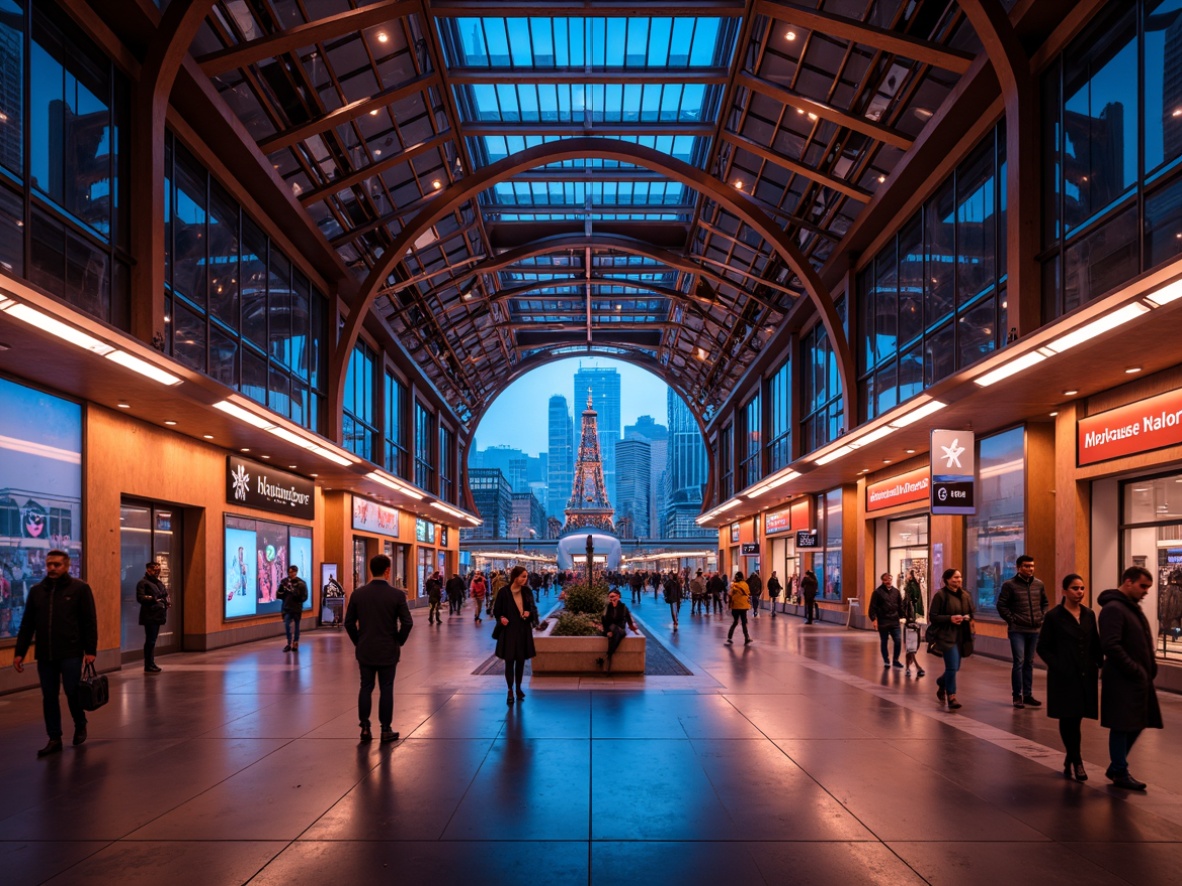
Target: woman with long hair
[(951, 633), (1069, 644), (516, 615)]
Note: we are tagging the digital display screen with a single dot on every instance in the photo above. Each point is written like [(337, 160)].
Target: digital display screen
[(257, 554)]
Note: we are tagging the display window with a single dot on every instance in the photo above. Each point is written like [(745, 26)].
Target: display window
[(1151, 536), (909, 557), (257, 554)]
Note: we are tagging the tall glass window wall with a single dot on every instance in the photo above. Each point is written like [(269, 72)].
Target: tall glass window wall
[(826, 563), (780, 432), (933, 299), (1112, 153), (726, 462), (63, 162), (424, 454), (237, 309), (822, 422), (995, 536), (447, 482), (752, 440), (358, 427), (396, 455)]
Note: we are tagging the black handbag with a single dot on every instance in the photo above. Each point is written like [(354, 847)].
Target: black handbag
[(93, 689)]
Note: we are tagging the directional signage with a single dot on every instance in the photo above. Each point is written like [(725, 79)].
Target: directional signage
[(807, 538), (954, 472), (751, 548)]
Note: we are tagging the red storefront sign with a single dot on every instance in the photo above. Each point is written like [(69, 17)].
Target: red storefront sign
[(1127, 430), (909, 487), (777, 521)]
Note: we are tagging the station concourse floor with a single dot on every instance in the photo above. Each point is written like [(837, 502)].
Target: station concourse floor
[(797, 759)]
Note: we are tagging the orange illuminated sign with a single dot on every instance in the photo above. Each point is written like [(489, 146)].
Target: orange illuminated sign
[(777, 521), (905, 488), (1127, 430)]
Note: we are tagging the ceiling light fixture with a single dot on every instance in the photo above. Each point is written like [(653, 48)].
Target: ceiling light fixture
[(790, 36), (1070, 393), (1168, 293), (243, 415), (374, 112), (834, 455), (382, 37), (55, 327), (207, 436), (170, 423), (1132, 370), (143, 367), (1012, 367), (437, 184), (125, 406), (910, 418), (1097, 327)]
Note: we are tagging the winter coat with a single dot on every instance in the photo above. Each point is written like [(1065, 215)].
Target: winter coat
[(945, 604), (515, 642), (755, 585), (1022, 605), (672, 591), (740, 595), (774, 587), (914, 596), (1071, 651), (886, 607), (1128, 702), (61, 615), (378, 621), (808, 587), (152, 596), (293, 592)]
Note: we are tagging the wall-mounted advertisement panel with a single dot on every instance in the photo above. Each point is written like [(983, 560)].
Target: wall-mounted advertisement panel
[(369, 516), (424, 531), (40, 492), (257, 554)]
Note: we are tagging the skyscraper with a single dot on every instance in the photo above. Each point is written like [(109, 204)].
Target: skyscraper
[(685, 473), (494, 502), (604, 385), (560, 470), (510, 461), (634, 486), (657, 437)]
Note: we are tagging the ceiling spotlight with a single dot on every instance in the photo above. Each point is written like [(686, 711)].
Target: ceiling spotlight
[(207, 436), (313, 475), (170, 423), (910, 452), (1132, 370), (1070, 393), (739, 184), (437, 184), (812, 116), (1052, 414), (293, 467), (377, 152), (881, 179), (264, 456), (383, 37), (374, 112), (125, 406), (790, 36), (244, 450)]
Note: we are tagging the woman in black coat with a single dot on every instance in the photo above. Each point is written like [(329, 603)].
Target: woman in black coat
[(951, 633), (1069, 644), (516, 616)]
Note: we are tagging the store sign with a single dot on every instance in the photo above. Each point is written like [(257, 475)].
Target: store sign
[(902, 489), (777, 521), (369, 516), (751, 548), (253, 485), (954, 472), (807, 538), (1126, 430), (425, 531)]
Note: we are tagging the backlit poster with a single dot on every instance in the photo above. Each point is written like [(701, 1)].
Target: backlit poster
[(241, 572), (300, 556), (257, 554)]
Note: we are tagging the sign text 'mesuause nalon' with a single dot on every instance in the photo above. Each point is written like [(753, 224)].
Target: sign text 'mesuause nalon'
[(898, 490), (253, 485), (777, 521), (954, 472), (1139, 427)]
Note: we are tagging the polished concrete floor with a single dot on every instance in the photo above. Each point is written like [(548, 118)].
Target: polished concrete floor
[(796, 759)]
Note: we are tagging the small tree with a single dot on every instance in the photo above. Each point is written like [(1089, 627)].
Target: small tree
[(580, 597)]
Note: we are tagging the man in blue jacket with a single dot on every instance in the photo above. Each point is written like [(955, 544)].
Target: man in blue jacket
[(60, 613), (378, 622)]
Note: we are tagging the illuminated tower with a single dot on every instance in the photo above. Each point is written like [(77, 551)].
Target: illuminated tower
[(588, 507)]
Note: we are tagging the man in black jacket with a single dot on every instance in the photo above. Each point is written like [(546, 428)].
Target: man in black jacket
[(1023, 605), (152, 596), (293, 591), (1128, 702), (60, 612), (378, 622), (455, 594), (886, 611), (755, 586)]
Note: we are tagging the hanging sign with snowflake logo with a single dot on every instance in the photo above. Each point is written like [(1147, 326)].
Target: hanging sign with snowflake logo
[(253, 485)]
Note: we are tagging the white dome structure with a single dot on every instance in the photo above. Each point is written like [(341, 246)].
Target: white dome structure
[(572, 550)]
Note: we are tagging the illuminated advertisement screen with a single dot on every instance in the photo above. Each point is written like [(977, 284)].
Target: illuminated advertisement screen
[(40, 492), (257, 554)]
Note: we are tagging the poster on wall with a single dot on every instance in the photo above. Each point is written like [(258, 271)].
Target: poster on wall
[(257, 554), (40, 492)]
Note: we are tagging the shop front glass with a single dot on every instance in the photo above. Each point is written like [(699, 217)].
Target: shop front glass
[(426, 565), (908, 555), (1151, 517), (995, 536), (149, 534)]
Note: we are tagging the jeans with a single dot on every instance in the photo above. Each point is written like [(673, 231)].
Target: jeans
[(738, 615), (951, 665), (385, 680), (895, 634), (66, 672), (1022, 677), (291, 626), (151, 632), (1119, 745)]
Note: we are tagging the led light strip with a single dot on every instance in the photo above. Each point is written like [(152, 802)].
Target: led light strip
[(395, 484)]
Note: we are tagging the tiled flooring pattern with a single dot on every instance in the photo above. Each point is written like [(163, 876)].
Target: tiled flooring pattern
[(797, 759)]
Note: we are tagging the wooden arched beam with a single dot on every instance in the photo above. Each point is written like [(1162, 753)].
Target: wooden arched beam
[(166, 53), (1011, 65), (466, 189)]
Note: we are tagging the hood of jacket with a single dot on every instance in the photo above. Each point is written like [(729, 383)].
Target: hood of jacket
[(1115, 595)]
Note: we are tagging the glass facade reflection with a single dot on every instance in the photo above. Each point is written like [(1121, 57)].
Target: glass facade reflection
[(995, 536)]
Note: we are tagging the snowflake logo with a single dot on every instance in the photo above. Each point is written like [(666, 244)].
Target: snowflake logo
[(241, 482)]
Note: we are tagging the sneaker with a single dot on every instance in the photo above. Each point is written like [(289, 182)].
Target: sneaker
[(1031, 702), (1018, 703), (940, 694), (919, 672), (54, 747), (79, 736), (886, 664), (898, 663), (389, 736), (287, 648), (953, 704)]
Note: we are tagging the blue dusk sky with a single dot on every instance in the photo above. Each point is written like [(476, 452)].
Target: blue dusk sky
[(518, 416)]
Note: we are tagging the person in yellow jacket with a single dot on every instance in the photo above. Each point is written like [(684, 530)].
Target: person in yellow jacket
[(740, 606)]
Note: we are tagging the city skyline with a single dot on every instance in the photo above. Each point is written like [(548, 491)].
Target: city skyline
[(641, 393)]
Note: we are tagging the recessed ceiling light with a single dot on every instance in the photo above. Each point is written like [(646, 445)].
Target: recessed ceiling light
[(881, 179), (264, 456), (377, 152), (293, 467), (125, 406), (1132, 370), (739, 184), (374, 112), (170, 423), (437, 184), (910, 452), (790, 36), (382, 37), (207, 436), (244, 450), (812, 116), (1052, 414), (1070, 393), (313, 475)]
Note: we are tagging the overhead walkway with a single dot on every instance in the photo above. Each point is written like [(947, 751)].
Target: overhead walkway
[(796, 759)]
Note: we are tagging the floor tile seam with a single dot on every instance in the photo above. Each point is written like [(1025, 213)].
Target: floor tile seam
[(468, 788), (1038, 753)]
